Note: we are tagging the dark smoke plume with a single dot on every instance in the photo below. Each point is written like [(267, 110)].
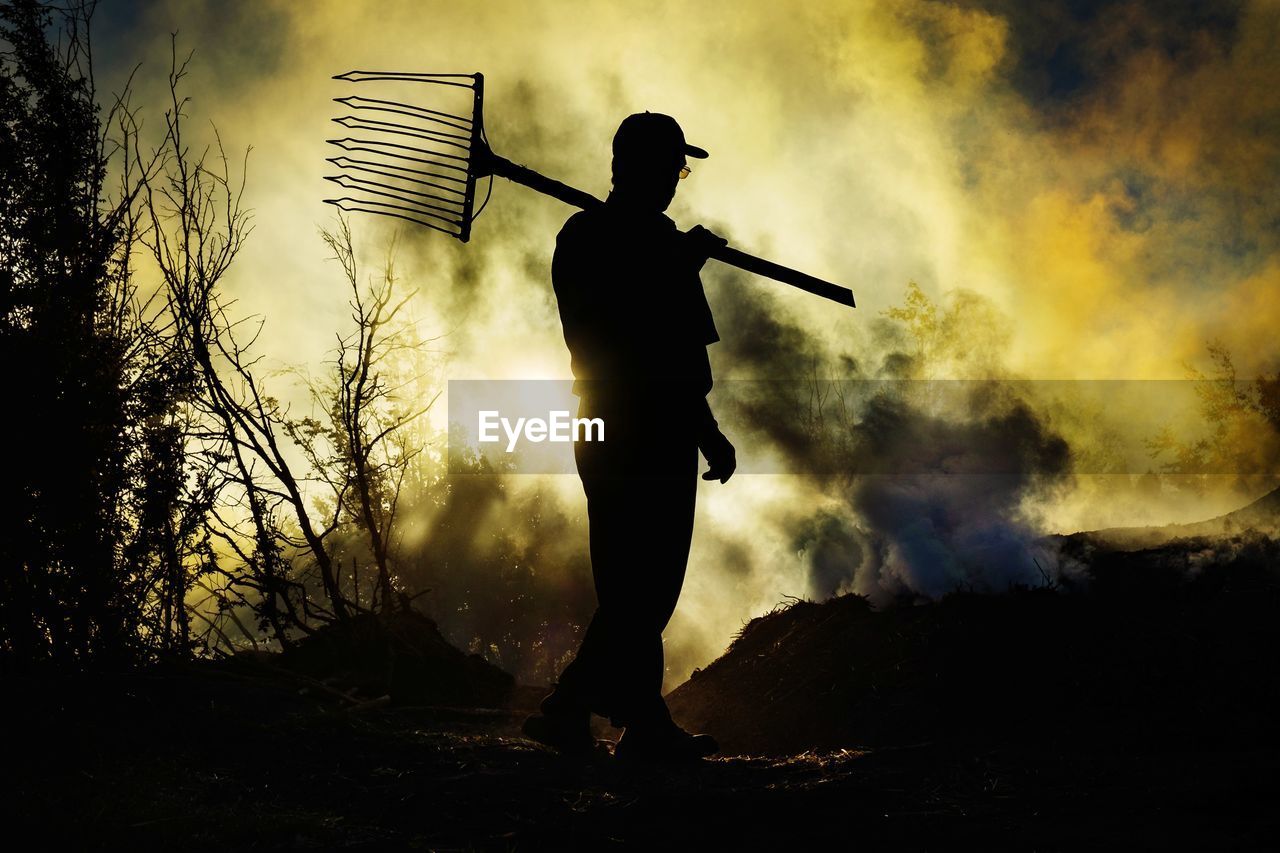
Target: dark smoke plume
[(934, 475)]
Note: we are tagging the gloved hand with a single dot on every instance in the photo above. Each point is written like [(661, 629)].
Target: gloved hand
[(719, 454), (700, 243)]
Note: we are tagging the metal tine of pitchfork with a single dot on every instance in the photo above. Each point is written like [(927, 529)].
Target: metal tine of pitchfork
[(364, 145), (464, 160), (408, 77), (356, 102), (370, 166), (355, 205), (394, 193), (480, 161), (354, 123), (395, 164), (391, 191)]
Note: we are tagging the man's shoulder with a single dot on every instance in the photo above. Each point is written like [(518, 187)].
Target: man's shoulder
[(603, 222), (583, 221)]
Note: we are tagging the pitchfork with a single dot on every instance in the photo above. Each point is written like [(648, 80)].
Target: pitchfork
[(422, 165)]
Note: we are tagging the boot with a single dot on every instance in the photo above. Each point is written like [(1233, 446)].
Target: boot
[(562, 725), (667, 744)]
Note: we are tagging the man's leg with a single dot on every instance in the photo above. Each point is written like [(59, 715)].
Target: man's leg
[(641, 488), (660, 510), (589, 683), (640, 506), (650, 527)]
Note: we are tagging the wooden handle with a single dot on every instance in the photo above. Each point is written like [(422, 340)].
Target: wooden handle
[(786, 275), (502, 167)]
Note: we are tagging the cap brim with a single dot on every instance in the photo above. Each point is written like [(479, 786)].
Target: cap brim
[(695, 152)]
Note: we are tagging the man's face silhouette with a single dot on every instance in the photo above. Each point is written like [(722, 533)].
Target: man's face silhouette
[(650, 182), (649, 156)]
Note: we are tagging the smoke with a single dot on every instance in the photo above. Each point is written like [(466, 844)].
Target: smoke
[(933, 476), (502, 567), (1082, 190), (1098, 170), (960, 525)]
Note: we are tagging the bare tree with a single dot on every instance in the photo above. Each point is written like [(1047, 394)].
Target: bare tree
[(198, 225), (280, 487), (368, 409)]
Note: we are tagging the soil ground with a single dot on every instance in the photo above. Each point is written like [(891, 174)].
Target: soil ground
[(1133, 710), (233, 757)]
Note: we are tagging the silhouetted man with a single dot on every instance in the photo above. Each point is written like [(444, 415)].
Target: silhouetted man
[(637, 325)]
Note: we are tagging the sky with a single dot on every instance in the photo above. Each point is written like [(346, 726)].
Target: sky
[(1097, 177)]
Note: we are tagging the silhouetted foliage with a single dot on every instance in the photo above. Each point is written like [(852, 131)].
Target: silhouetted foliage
[(1240, 425), (92, 528), (162, 500), (290, 498)]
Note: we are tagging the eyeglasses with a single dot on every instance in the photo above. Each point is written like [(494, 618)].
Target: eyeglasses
[(685, 172)]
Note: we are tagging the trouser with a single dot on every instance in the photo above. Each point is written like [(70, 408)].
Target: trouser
[(641, 485)]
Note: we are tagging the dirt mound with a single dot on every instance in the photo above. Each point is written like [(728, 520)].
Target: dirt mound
[(1147, 653), (401, 654), (1262, 516)]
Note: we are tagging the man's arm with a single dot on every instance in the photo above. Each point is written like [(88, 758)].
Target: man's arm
[(699, 244), (575, 274), (715, 447), (603, 288)]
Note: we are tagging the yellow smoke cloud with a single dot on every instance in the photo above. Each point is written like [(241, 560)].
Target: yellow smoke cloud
[(869, 143)]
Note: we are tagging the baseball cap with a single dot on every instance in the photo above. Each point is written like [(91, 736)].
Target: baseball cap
[(645, 135)]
